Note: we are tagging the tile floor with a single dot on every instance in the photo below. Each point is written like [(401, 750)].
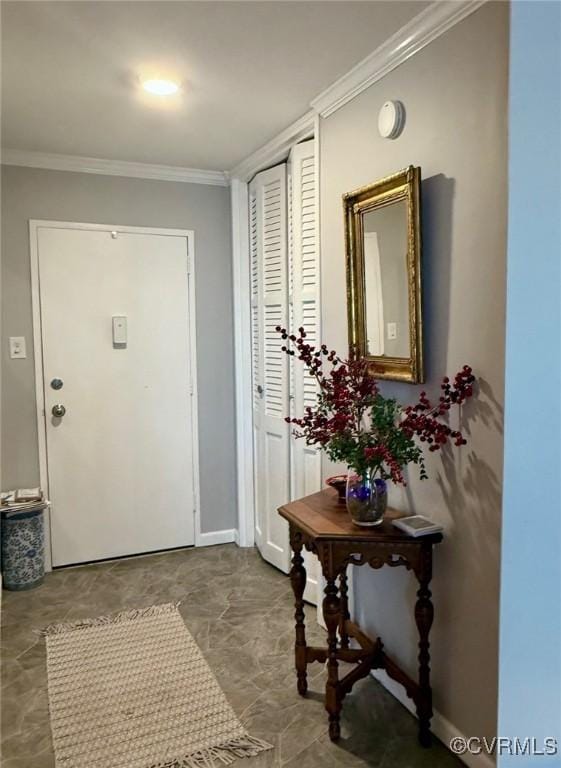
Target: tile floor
[(239, 609)]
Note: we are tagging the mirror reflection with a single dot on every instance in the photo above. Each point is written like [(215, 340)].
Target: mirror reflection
[(386, 290)]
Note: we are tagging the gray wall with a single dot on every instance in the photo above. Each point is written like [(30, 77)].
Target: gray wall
[(39, 194), (455, 96)]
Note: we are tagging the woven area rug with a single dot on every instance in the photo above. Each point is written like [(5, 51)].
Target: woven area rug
[(134, 691)]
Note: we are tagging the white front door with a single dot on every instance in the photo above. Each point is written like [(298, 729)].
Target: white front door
[(114, 315)]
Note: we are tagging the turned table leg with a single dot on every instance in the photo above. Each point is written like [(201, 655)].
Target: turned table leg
[(424, 613), (332, 617), (298, 581), (345, 615)]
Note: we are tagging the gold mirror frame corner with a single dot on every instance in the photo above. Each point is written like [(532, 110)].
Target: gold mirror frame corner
[(404, 185)]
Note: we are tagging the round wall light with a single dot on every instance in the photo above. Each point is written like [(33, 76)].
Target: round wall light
[(391, 119), (160, 87)]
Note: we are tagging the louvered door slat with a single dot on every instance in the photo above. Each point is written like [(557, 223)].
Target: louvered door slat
[(254, 295)]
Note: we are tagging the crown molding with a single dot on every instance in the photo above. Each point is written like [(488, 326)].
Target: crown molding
[(275, 150), (78, 164), (422, 29), (428, 25)]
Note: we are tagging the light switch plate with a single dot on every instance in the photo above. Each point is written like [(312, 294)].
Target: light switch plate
[(17, 348), (392, 331)]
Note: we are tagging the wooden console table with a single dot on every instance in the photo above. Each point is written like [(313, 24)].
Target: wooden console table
[(321, 525)]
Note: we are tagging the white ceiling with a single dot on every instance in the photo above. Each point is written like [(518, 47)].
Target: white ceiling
[(70, 73)]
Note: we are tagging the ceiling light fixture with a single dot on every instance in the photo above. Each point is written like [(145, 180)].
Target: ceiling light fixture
[(160, 87)]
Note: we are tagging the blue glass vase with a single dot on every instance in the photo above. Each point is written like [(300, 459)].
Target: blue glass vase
[(367, 498)]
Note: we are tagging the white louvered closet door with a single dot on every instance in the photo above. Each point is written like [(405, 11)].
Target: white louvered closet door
[(269, 286), (305, 312)]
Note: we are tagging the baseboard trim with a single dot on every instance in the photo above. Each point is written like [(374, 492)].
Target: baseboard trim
[(442, 728), (216, 537)]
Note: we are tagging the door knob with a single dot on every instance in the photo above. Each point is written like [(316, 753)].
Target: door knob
[(58, 411)]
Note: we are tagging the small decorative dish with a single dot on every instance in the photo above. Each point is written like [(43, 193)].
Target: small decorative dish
[(339, 483)]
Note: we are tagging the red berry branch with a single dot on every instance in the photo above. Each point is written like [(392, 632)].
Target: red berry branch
[(353, 422), (422, 419)]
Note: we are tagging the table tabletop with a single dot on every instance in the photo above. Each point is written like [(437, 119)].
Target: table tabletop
[(321, 516)]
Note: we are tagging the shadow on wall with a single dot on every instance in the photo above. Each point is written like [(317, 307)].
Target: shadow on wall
[(469, 490), (467, 482), (469, 487), (437, 200)]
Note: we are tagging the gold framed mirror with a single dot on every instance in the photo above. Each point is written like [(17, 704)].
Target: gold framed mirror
[(383, 255)]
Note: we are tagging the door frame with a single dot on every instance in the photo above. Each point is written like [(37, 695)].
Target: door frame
[(34, 226)]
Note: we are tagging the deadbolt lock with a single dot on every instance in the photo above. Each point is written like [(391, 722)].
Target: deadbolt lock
[(56, 383)]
